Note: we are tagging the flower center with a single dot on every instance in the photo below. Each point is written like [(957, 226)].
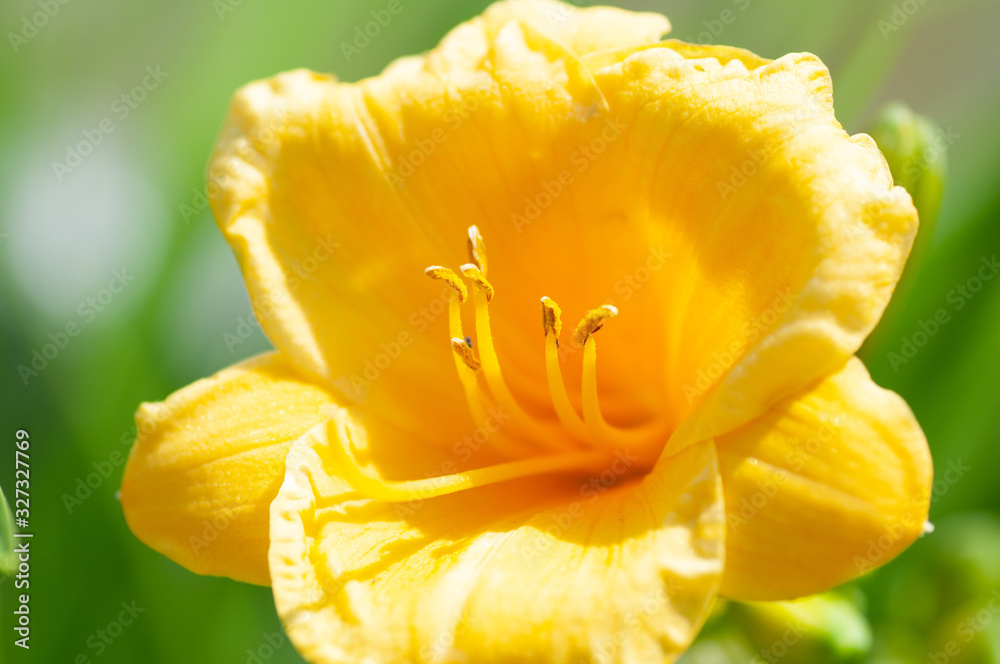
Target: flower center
[(565, 441), (484, 384)]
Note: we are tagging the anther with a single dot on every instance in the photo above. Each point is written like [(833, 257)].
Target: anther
[(450, 278), (592, 321), (551, 317)]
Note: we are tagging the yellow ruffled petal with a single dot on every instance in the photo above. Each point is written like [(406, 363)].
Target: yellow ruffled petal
[(209, 460), (548, 569), (822, 488), (786, 233)]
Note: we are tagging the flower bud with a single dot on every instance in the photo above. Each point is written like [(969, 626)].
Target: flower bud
[(916, 150)]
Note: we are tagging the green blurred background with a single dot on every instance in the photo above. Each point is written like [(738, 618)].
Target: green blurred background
[(63, 236)]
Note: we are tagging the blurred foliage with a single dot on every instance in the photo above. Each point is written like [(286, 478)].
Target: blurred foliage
[(124, 206), (8, 559)]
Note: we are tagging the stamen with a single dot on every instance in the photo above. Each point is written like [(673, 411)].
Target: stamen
[(552, 323), (491, 365), (467, 378), (450, 278), (467, 364), (563, 439), (592, 321), (340, 443), (636, 438), (477, 249), (592, 416), (544, 436), (598, 427)]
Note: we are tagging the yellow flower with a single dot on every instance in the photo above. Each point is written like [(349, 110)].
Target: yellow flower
[(427, 469)]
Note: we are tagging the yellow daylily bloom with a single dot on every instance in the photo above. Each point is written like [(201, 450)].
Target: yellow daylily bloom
[(425, 471)]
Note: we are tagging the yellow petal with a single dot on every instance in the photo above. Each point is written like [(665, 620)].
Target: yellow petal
[(209, 460), (788, 236), (550, 569), (822, 488)]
